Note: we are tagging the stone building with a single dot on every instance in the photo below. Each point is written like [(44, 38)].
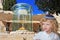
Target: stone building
[(1, 6)]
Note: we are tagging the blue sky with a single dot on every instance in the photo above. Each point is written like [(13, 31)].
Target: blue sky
[(32, 3)]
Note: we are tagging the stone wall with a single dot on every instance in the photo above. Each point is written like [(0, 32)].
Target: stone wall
[(4, 16), (16, 36)]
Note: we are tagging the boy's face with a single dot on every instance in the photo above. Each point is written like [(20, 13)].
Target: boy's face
[(47, 26)]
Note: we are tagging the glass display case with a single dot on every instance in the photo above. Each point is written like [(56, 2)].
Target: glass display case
[(22, 17)]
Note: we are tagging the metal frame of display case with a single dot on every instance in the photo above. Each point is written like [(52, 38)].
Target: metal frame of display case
[(22, 14)]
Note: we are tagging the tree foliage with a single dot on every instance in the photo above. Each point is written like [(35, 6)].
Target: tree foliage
[(7, 4), (49, 5)]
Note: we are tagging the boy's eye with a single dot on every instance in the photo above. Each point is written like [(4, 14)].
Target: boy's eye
[(47, 24), (42, 24)]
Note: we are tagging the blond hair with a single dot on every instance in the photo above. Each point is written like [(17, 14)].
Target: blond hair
[(53, 22)]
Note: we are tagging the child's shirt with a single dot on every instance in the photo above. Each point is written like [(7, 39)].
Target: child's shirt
[(44, 36)]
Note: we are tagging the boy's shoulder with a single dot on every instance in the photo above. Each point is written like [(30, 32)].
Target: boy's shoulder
[(56, 35)]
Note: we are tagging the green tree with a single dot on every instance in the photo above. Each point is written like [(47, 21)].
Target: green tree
[(49, 5), (7, 4)]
